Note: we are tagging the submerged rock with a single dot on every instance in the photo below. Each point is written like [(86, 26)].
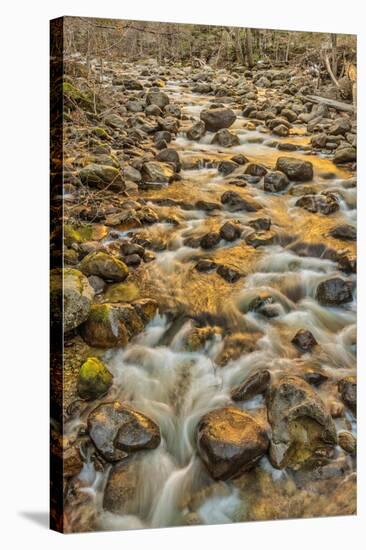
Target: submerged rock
[(345, 232), (117, 429), (216, 119), (94, 379), (210, 240), (230, 441), (230, 274), (295, 169), (333, 292), (121, 488), (303, 432)]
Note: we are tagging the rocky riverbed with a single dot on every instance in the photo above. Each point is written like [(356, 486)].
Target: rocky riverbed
[(209, 298)]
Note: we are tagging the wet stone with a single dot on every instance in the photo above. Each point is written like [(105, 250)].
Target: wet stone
[(256, 383), (304, 341), (210, 240), (347, 387), (205, 265), (117, 430), (230, 231), (230, 441), (230, 274), (333, 292)]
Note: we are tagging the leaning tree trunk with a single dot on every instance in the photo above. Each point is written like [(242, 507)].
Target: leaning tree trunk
[(249, 47)]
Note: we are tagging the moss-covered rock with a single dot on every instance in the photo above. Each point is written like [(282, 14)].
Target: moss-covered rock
[(74, 97), (105, 266), (114, 324), (94, 379), (71, 297), (81, 233), (121, 292)]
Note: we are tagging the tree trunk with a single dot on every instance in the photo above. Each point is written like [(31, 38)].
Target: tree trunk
[(249, 47), (333, 38)]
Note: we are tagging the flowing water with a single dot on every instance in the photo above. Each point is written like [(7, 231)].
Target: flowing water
[(175, 386)]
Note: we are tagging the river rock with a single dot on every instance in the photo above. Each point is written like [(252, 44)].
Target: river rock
[(348, 442), (230, 274), (225, 138), (216, 119), (281, 130), (114, 324), (160, 99), (333, 292), (196, 131), (347, 387), (302, 429), (230, 231), (210, 240), (295, 169), (205, 265), (275, 181), (155, 171), (230, 441), (344, 155), (324, 204), (171, 156), (260, 238), (255, 384), (226, 167), (105, 266), (94, 379), (339, 127), (260, 224), (122, 485), (345, 232), (71, 297), (117, 429), (304, 341), (101, 176), (255, 169), (235, 202)]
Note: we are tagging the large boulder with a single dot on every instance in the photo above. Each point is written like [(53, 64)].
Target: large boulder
[(105, 266), (117, 430), (156, 171), (94, 379), (333, 292), (114, 324), (101, 176), (225, 138), (218, 118), (303, 432), (71, 297), (295, 169), (230, 441)]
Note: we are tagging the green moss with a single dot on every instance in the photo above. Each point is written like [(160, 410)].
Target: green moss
[(73, 95), (100, 133), (121, 292), (77, 233), (94, 379), (100, 313)]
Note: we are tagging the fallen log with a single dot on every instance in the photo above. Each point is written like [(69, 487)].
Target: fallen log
[(338, 105)]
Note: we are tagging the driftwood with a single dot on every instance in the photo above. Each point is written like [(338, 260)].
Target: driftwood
[(338, 105)]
